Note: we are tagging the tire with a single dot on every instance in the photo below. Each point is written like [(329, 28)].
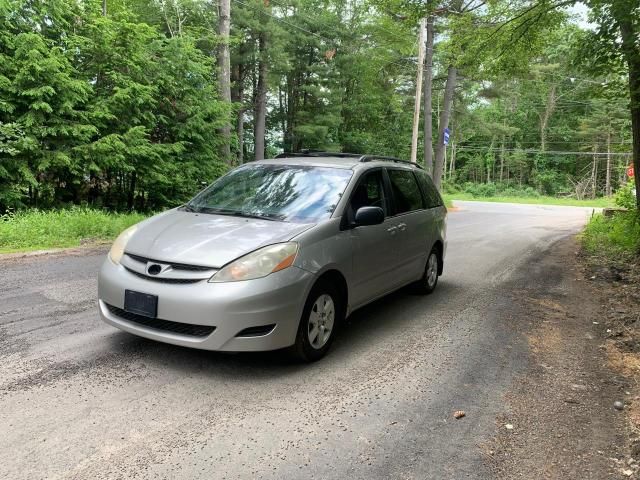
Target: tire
[(311, 345), (429, 281)]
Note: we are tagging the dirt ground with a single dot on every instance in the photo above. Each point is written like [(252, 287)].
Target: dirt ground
[(582, 315)]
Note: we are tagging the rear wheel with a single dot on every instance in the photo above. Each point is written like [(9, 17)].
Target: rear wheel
[(322, 312), (429, 280)]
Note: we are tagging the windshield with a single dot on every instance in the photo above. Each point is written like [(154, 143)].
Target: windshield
[(275, 192)]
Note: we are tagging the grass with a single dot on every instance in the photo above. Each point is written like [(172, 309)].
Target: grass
[(39, 230), (616, 236), (541, 200)]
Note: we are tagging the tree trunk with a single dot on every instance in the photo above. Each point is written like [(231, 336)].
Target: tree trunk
[(634, 88), (444, 123), (546, 116), (594, 172), (444, 165), (502, 152), (237, 97), (104, 8), (281, 104), (607, 187), (452, 162), (132, 191), (261, 99), (428, 104), (632, 56), (224, 72), (452, 170)]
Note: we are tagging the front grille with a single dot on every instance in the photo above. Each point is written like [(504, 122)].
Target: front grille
[(174, 266), (163, 325), (163, 279), (256, 331)]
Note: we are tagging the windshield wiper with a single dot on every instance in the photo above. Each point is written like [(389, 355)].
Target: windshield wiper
[(237, 213), (257, 215), (189, 208)]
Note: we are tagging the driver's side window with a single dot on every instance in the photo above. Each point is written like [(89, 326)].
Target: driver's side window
[(369, 192)]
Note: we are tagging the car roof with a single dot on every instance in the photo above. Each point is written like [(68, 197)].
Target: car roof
[(336, 160)]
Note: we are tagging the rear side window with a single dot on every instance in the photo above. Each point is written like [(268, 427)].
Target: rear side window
[(430, 192), (406, 193)]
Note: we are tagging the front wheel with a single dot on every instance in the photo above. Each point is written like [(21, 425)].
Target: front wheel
[(322, 313), (429, 280)]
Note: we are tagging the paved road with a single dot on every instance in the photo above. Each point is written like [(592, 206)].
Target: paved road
[(79, 399)]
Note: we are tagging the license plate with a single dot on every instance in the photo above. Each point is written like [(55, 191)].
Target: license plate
[(141, 303)]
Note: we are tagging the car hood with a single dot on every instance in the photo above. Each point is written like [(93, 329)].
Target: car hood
[(207, 240)]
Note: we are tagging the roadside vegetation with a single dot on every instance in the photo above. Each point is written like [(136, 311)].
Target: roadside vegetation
[(37, 229), (539, 200), (505, 192), (611, 260), (615, 238)]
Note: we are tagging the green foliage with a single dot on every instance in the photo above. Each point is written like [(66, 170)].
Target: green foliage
[(39, 229), (616, 236), (483, 190), (121, 111), (104, 110), (533, 200), (625, 197)]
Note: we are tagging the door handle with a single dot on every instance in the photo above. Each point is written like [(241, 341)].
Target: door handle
[(392, 230), (402, 226)]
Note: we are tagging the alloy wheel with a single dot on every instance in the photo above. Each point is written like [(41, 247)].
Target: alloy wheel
[(321, 320), (432, 270)]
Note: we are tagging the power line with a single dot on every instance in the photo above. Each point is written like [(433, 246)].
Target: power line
[(482, 144), (543, 152)]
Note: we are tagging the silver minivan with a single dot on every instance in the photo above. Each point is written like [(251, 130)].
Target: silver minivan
[(276, 253)]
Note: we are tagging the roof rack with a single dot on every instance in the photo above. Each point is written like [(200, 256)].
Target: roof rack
[(359, 157), (317, 153), (373, 158)]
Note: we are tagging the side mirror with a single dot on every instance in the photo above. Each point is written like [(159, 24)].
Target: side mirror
[(369, 216)]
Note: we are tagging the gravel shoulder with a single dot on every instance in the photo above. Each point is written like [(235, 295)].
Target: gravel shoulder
[(561, 421)]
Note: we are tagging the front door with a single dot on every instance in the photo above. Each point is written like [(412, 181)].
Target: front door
[(374, 247)]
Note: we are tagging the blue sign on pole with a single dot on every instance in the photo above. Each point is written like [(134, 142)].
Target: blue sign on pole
[(447, 132)]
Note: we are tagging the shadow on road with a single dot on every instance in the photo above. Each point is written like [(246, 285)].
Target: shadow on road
[(377, 322)]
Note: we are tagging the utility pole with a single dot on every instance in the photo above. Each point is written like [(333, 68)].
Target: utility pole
[(416, 110), (428, 96)]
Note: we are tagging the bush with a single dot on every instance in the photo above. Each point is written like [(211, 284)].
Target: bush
[(487, 190), (35, 229), (550, 182), (450, 187), (480, 189), (625, 198), (618, 235)]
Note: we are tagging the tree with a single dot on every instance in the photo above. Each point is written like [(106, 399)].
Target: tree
[(224, 71), (616, 42)]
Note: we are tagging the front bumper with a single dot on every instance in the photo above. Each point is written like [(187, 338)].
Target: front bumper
[(229, 307)]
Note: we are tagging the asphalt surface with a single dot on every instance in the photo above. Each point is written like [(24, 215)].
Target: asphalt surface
[(80, 399)]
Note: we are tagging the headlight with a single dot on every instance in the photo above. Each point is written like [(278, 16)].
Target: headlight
[(117, 249), (258, 264)]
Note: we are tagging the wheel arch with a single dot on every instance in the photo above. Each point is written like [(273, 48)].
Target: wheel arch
[(338, 280), (440, 247)]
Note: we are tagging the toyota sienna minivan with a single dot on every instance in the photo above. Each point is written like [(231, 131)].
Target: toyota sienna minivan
[(276, 253)]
